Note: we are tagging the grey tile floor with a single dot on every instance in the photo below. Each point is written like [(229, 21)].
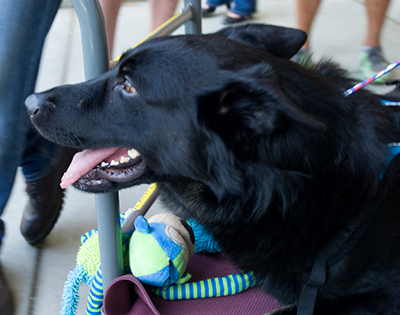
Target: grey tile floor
[(37, 274)]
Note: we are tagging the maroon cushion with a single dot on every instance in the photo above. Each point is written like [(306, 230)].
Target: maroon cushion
[(127, 296)]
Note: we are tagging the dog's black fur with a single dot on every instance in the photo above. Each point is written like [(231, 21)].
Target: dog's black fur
[(267, 154)]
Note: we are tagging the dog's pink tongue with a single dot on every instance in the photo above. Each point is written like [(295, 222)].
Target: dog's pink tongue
[(85, 161)]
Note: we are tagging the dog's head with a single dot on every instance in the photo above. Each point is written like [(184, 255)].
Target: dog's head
[(204, 99)]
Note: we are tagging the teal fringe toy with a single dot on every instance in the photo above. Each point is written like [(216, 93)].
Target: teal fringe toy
[(87, 270), (159, 251)]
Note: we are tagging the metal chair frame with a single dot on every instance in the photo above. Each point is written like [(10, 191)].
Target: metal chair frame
[(96, 62)]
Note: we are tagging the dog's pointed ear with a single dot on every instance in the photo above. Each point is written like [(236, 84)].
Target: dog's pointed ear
[(280, 41), (249, 103)]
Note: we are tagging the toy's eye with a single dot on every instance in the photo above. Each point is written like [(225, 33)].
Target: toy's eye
[(128, 87)]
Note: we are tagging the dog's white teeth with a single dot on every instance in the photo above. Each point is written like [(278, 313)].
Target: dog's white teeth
[(114, 163), (124, 159), (133, 153)]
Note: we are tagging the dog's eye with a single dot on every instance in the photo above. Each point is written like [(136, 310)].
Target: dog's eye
[(129, 88)]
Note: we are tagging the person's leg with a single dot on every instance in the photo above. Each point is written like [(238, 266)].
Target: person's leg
[(211, 5), (372, 59), (306, 11), (110, 10), (242, 8), (376, 12), (23, 27), (161, 11)]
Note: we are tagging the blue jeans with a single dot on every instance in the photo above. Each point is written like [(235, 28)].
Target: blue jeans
[(241, 7), (23, 28)]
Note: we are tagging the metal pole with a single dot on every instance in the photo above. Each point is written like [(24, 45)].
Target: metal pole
[(194, 25), (174, 24), (94, 37), (96, 62)]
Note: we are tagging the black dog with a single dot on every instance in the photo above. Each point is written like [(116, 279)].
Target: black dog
[(268, 155)]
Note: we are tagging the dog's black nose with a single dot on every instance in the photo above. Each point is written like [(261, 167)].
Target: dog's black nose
[(32, 105)]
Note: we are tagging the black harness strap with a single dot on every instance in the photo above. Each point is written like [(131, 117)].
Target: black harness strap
[(340, 245), (310, 290), (331, 254)]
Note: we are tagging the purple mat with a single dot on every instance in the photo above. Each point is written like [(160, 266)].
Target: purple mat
[(127, 296)]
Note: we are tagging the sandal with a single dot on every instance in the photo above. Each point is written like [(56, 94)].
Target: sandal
[(232, 20), (209, 10)]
